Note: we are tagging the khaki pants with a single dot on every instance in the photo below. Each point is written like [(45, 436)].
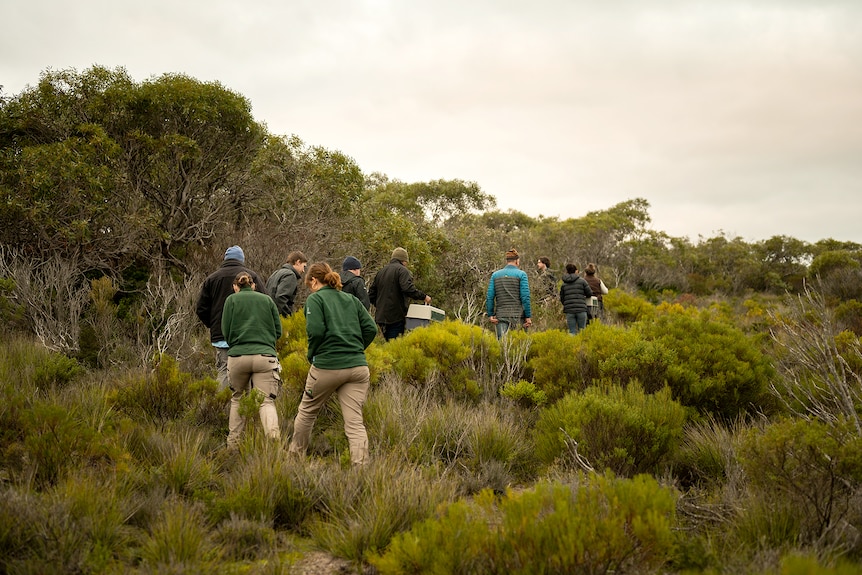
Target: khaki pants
[(351, 385), (261, 372)]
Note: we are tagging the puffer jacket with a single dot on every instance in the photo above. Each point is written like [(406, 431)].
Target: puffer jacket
[(574, 293)]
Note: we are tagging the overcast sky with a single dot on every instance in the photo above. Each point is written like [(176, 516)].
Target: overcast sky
[(742, 117)]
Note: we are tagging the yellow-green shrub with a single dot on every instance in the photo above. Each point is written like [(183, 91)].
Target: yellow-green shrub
[(601, 525), (555, 363), (621, 429), (442, 357), (627, 307), (718, 369)]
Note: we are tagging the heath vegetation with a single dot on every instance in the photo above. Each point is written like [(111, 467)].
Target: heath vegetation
[(710, 422)]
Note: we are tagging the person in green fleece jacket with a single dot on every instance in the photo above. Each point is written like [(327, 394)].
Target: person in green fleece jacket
[(339, 330), (251, 326)]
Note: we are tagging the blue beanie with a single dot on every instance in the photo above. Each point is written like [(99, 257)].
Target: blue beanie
[(234, 253), (351, 263)]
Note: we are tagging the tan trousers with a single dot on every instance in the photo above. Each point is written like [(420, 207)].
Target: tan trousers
[(351, 385), (262, 372)]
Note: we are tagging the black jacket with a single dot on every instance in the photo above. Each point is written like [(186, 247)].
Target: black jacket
[(574, 293), (355, 285), (391, 291), (215, 290)]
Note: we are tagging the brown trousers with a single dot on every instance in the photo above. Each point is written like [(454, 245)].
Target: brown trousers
[(351, 385)]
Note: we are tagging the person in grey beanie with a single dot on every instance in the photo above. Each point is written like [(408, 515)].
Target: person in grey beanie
[(352, 282), (210, 306)]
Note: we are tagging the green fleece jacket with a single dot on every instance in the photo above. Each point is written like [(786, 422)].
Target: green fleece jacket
[(250, 323), (339, 329)]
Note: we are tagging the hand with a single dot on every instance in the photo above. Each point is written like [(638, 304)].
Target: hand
[(528, 322), (427, 299), (493, 319)]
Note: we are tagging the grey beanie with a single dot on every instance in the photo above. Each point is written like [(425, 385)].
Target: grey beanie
[(400, 254), (234, 253)]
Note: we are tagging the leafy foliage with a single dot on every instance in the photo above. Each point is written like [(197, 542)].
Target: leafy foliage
[(624, 430), (601, 524)]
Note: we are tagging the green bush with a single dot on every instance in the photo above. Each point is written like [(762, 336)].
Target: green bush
[(56, 370), (162, 395), (627, 307), (363, 510), (267, 486), (602, 525), (624, 430), (555, 363), (815, 470), (524, 394), (718, 369), (448, 358)]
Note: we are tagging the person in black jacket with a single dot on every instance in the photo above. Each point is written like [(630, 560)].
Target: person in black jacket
[(214, 291), (390, 291), (575, 293), (352, 282)]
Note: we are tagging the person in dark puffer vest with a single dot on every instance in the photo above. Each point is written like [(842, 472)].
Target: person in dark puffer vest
[(574, 294)]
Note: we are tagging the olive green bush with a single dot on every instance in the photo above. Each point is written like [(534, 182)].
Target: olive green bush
[(718, 369), (621, 429), (815, 471), (600, 525), (626, 307)]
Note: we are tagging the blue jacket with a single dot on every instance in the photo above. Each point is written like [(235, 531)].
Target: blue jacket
[(509, 293)]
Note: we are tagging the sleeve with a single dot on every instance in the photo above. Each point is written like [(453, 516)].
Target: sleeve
[(372, 293), (405, 280), (315, 325), (362, 294), (284, 291), (276, 318), (525, 295), (204, 305), (227, 319), (367, 325), (604, 287), (489, 297)]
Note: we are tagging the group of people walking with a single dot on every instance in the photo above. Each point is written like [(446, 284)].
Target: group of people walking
[(244, 315), (244, 318), (508, 304)]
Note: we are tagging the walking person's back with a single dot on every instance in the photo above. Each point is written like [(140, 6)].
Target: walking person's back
[(390, 293)]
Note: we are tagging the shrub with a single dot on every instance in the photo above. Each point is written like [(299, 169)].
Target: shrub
[(266, 486), (555, 363), (524, 394), (441, 357), (601, 525), (180, 537), (626, 307), (164, 394), (56, 370), (815, 470), (718, 369), (707, 453), (364, 509), (624, 430)]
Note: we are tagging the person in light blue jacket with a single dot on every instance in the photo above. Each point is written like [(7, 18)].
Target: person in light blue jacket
[(508, 298)]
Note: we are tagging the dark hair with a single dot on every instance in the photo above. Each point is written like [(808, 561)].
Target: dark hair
[(546, 261), (243, 279), (571, 268), (591, 269), (324, 274), (296, 256)]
